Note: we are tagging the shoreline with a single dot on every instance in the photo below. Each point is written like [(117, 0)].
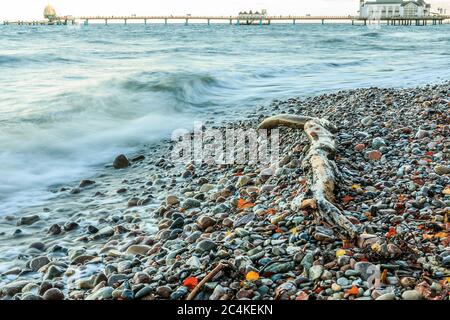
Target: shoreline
[(118, 238)]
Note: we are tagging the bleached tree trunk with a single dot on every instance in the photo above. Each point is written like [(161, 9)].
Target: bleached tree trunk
[(319, 166)]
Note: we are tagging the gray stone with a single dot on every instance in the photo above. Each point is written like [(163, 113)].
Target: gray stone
[(315, 272), (177, 223), (206, 246), (342, 281), (367, 121), (193, 237), (121, 162), (53, 294), (86, 183), (28, 220), (421, 134), (31, 296), (243, 220), (378, 142), (280, 267), (386, 296), (105, 232), (218, 292), (53, 272), (446, 261), (54, 229), (101, 294), (207, 187), (179, 293), (194, 262), (38, 246), (116, 278), (191, 203), (365, 269), (14, 287), (38, 263), (127, 294), (145, 291), (242, 181), (307, 261), (141, 277), (411, 295)]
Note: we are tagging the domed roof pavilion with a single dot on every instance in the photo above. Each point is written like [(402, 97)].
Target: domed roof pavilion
[(49, 13)]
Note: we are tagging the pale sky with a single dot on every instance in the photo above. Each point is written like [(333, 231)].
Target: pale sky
[(33, 9)]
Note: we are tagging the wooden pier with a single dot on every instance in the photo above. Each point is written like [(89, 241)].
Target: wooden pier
[(238, 20)]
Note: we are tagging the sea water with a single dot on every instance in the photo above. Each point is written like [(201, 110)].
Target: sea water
[(73, 97)]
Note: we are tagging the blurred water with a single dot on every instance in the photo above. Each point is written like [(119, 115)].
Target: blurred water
[(73, 97)]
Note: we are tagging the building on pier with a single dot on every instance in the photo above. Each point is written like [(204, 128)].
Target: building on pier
[(50, 13), (251, 17), (387, 9)]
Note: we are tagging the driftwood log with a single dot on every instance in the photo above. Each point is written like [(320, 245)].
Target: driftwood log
[(320, 168)]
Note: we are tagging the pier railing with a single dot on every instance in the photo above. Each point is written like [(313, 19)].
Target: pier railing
[(238, 19)]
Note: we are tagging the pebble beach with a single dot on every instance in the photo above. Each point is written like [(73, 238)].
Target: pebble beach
[(149, 229)]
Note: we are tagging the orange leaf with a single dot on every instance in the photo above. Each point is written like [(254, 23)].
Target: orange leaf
[(441, 235), (271, 211), (190, 282), (429, 153), (242, 204), (353, 291), (391, 233), (279, 230), (383, 277), (427, 236), (302, 296), (347, 199), (252, 276)]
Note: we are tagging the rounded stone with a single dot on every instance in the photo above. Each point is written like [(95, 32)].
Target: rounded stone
[(204, 222), (411, 295), (172, 200), (53, 294), (121, 162), (38, 263), (206, 245), (141, 249)]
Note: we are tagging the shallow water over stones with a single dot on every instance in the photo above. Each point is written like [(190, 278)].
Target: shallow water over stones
[(394, 159)]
